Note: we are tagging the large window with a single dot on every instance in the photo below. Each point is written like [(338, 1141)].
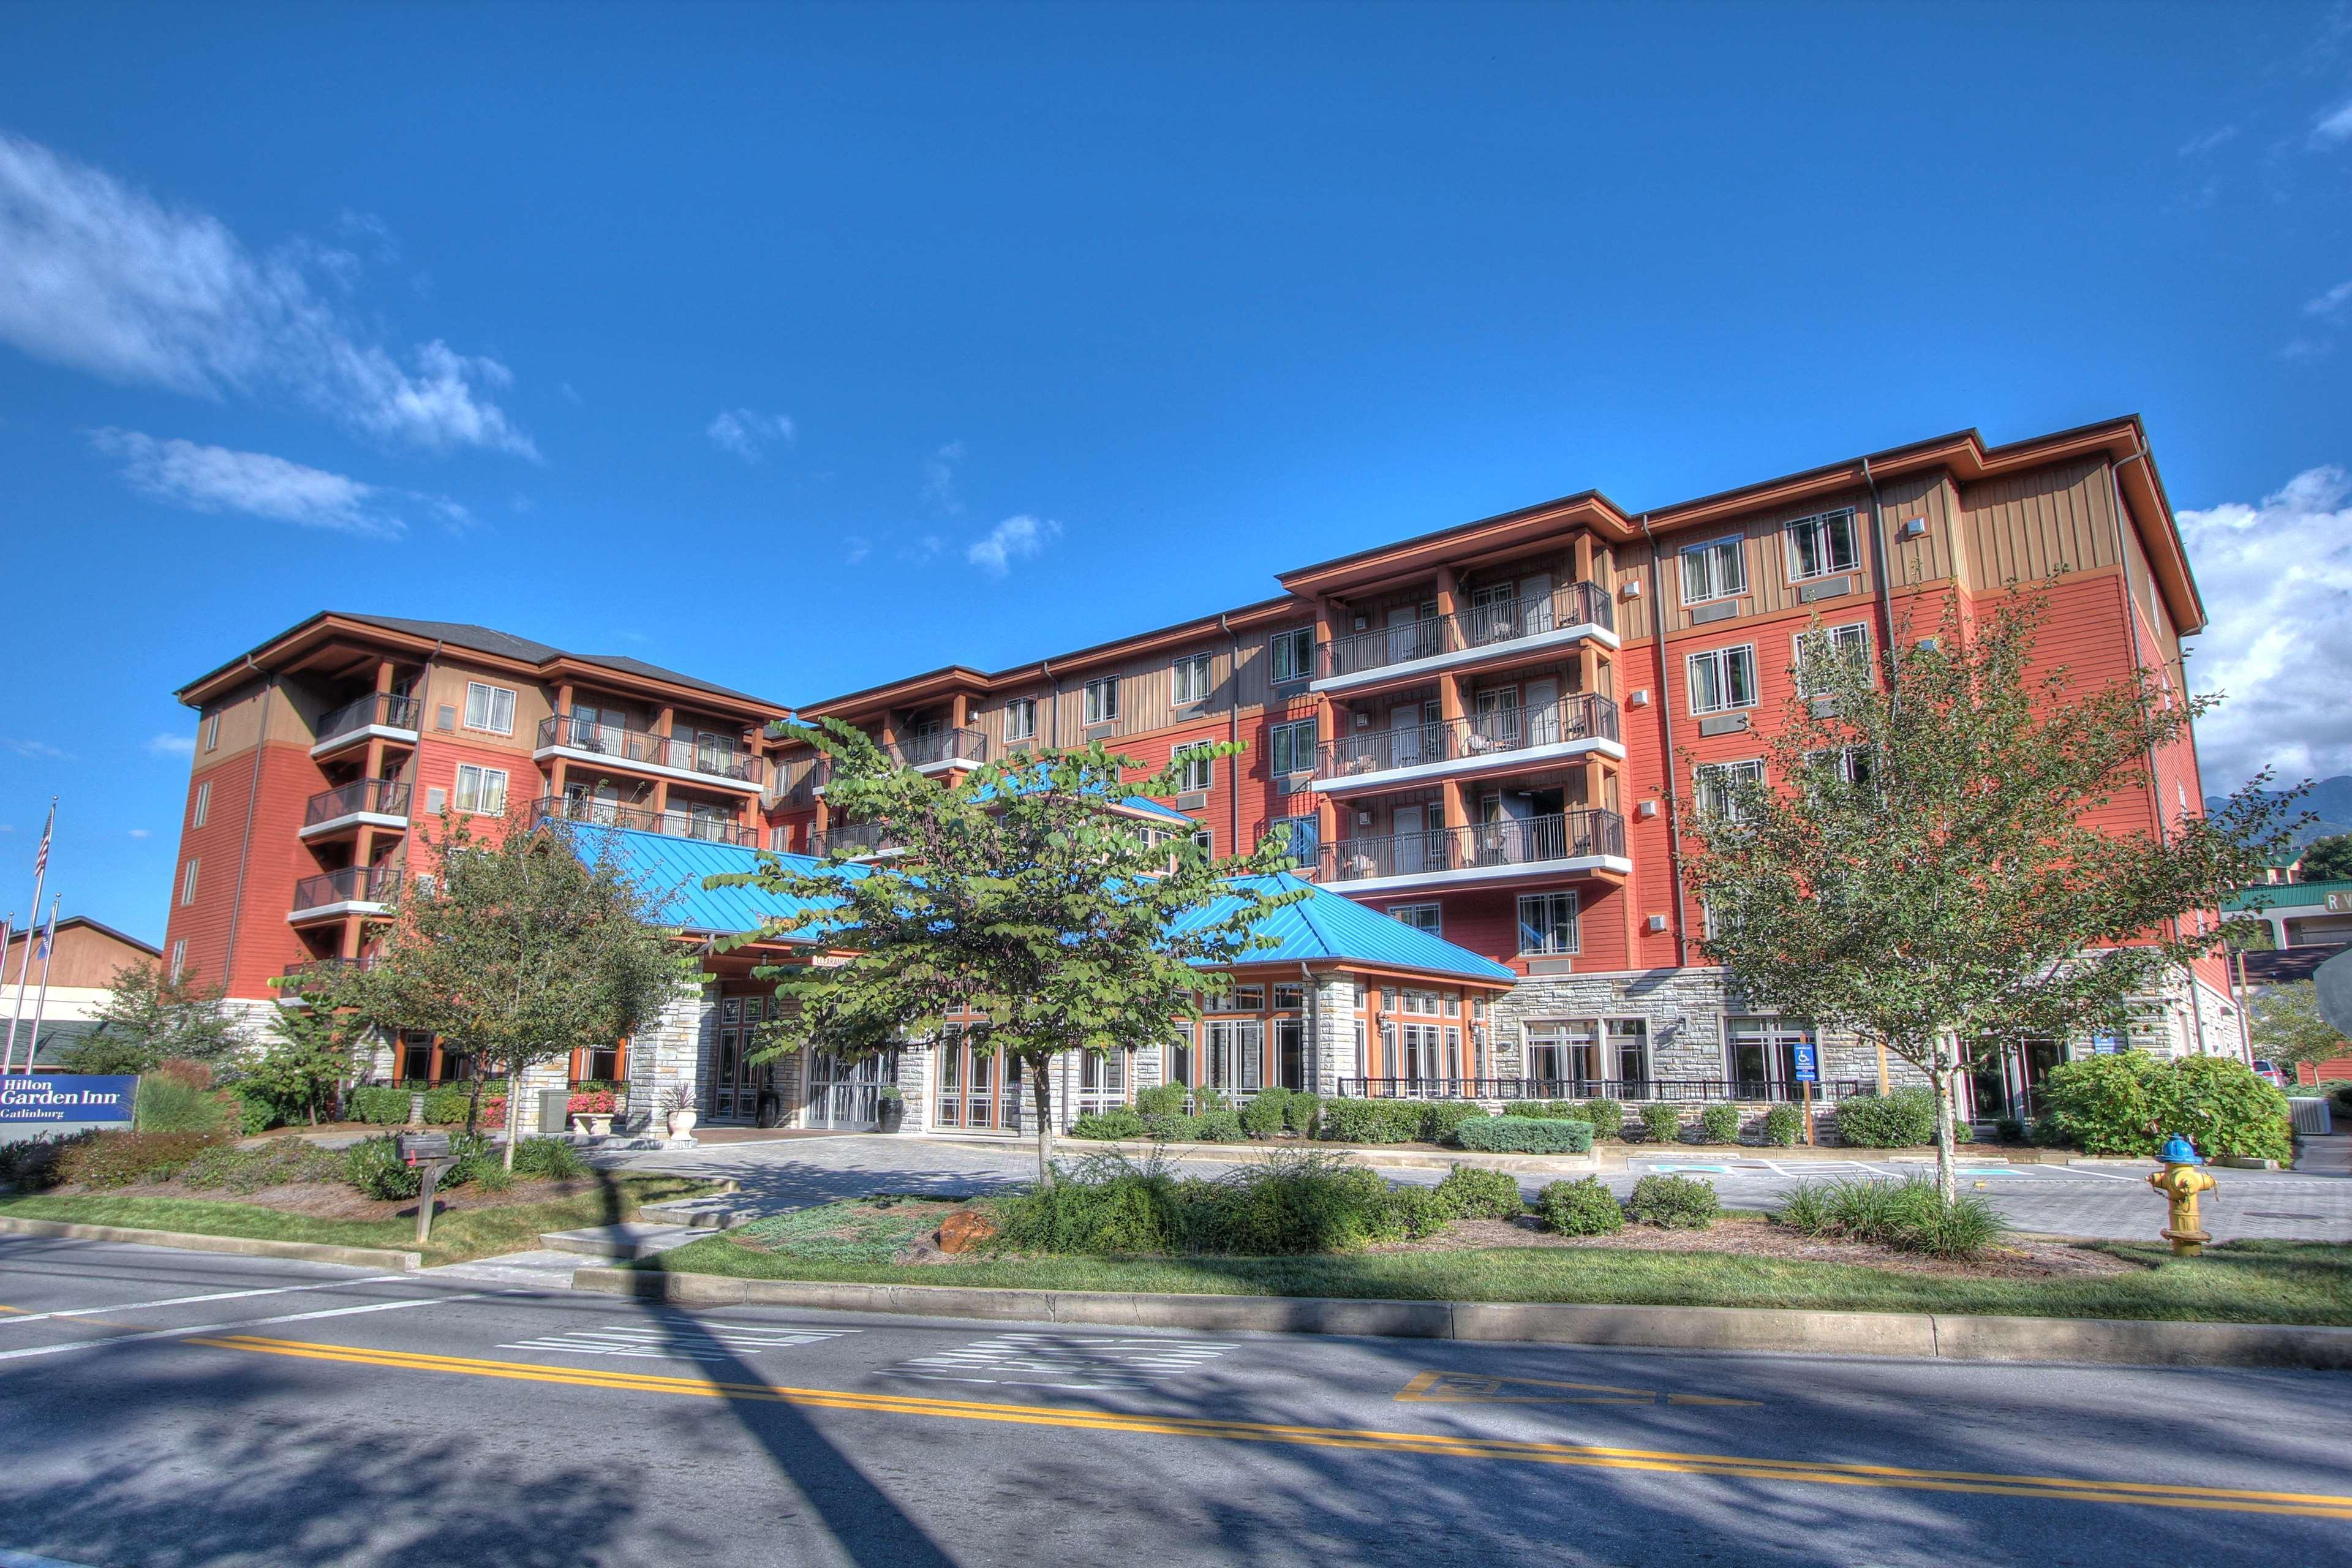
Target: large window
[(1189, 678), (1300, 837), (179, 960), (1849, 641), (1292, 747), (1021, 719), (1761, 1054), (482, 791), (1713, 571), (1235, 1052), (204, 806), (1430, 917), (1102, 699), (489, 708), (1547, 923), (1722, 679), (1822, 546), (1291, 654), (188, 883), (1196, 766), (1718, 784)]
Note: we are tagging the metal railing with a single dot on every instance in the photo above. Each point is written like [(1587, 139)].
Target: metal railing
[(351, 885), (384, 798), (1479, 626), (1588, 716), (383, 708), (1630, 1090), (922, 750), (643, 746), (854, 838), (671, 824), (1515, 841)]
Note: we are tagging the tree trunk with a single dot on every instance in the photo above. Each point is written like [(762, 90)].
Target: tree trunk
[(514, 1113), (1041, 1075), (1947, 1180)]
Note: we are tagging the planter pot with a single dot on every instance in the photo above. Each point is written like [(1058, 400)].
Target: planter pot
[(599, 1126), (890, 1115), (681, 1123)]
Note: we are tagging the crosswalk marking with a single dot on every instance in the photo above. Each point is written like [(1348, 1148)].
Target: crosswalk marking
[(677, 1339), (1063, 1361)]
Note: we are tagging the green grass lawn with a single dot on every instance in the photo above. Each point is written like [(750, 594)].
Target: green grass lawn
[(456, 1237), (2242, 1281)]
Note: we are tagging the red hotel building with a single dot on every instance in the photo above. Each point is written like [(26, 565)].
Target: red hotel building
[(1477, 731)]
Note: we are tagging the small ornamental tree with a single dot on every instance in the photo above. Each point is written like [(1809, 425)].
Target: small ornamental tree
[(150, 1017), (2288, 1030), (521, 951), (1016, 900), (1919, 868), (310, 1051)]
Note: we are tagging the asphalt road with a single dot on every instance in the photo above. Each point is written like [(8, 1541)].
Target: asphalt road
[(178, 1408)]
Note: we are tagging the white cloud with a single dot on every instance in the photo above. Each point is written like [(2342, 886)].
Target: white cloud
[(2277, 582), (216, 479), (940, 478), (39, 750), (1012, 538), (2331, 303), (749, 434), (100, 277), (2198, 146), (138, 833), (2334, 128), (855, 548), (170, 744)]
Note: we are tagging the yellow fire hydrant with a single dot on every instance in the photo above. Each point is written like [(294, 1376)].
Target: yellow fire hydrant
[(2180, 1181)]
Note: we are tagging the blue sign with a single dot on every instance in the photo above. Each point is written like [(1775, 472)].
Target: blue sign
[(2105, 1045), (1808, 1067), (51, 1098)]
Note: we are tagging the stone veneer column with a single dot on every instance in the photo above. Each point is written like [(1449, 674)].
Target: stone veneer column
[(675, 1051), (1334, 1045)]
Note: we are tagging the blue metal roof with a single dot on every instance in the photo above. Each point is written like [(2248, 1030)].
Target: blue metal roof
[(1321, 927), (1021, 783)]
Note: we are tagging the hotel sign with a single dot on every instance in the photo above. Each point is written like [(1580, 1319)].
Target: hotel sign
[(57, 1099), (2339, 903)]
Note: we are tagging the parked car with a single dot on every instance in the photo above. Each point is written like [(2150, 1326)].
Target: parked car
[(2269, 1073)]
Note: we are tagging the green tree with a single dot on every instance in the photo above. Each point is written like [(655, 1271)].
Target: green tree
[(311, 1049), (1919, 867), (520, 950), (2328, 859), (2246, 933), (1016, 898), (2288, 1030), (150, 1017)]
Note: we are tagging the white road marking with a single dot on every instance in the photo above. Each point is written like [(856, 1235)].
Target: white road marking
[(243, 1324), (190, 1300), (680, 1339), (1063, 1360)]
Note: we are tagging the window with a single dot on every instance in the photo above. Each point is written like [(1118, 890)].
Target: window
[(1292, 747), (1189, 678), (1021, 719), (1851, 764), (1289, 998), (1102, 699), (1247, 999), (1629, 1043), (1196, 766), (188, 883), (1300, 837), (1716, 571), (1822, 546), (1722, 679), (1547, 923), (1759, 1053), (1421, 1002), (204, 806), (1718, 782), (482, 791), (1204, 841), (1430, 917), (179, 960), (212, 731), (489, 708), (1836, 643), (1235, 1052), (1291, 654)]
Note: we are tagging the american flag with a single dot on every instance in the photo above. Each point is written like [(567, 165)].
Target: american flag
[(41, 861)]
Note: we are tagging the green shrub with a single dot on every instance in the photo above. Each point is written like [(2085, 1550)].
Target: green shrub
[(1172, 1127), (1606, 1117), (379, 1104), (1903, 1120), (1262, 1116), (1526, 1135), (446, 1106), (1677, 1202), (256, 1111), (281, 1162), (1782, 1123), (1161, 1099), (1807, 1209), (1720, 1124), (1662, 1123), (1585, 1207), (374, 1165), (121, 1159), (1909, 1214), (30, 1165), (2340, 1091), (1347, 1121), (1300, 1111), (166, 1102), (1219, 1127), (1290, 1202), (1207, 1099), (2009, 1130), (2106, 1105), (1103, 1204), (1419, 1212), (551, 1158), (1116, 1122), (1441, 1117), (1482, 1195), (489, 1176)]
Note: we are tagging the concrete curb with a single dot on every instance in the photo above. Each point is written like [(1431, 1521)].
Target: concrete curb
[(1919, 1335), (1373, 1156), (241, 1246)]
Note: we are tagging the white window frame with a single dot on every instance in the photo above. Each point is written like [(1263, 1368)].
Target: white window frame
[(1283, 737), (1817, 529), (179, 959), (1731, 588), (1102, 699), (1205, 841), (489, 724), (1197, 768), (1290, 656), (1288, 829), (1722, 659), (1021, 719), (1771, 1033), (202, 807), (1716, 778), (1838, 637), (1191, 677), (188, 880), (1429, 917), (212, 731), (481, 789), (1549, 946)]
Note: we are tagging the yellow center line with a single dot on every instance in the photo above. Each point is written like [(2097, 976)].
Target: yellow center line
[(2319, 1505)]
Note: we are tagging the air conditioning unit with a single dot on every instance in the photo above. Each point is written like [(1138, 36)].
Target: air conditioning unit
[(436, 801), (1646, 810), (1657, 922), (1632, 588), (1638, 697)]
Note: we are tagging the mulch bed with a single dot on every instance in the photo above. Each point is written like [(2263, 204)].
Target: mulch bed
[(332, 1200)]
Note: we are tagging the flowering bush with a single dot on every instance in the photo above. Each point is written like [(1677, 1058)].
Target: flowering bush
[(595, 1102)]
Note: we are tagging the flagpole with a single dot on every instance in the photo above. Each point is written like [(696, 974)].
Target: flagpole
[(24, 970), (7, 935), (48, 955)]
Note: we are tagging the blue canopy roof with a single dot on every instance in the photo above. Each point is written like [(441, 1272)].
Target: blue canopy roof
[(1321, 927)]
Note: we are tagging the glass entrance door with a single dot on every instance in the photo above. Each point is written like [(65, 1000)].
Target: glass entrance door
[(845, 1096), (735, 1080), (973, 1092)]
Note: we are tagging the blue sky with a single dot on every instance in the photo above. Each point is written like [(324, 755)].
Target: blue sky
[(801, 348)]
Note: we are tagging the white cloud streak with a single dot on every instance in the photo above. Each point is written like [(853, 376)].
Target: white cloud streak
[(940, 478), (2334, 129), (2277, 582), (255, 484), (100, 277), (1014, 538), (749, 434), (169, 744)]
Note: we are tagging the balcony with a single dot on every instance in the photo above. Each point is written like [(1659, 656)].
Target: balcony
[(1631, 1092), (378, 714), (378, 803), (940, 749), (702, 827), (856, 839), (353, 890), (1483, 635), (1495, 741), (589, 740), (1513, 849)]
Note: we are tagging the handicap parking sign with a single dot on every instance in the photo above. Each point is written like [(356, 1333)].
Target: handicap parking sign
[(1809, 1069)]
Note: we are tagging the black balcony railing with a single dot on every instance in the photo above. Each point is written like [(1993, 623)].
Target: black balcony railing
[(1585, 716), (853, 838), (384, 798), (673, 822), (1516, 841), (351, 885), (938, 746), (625, 745), (1647, 1089), (383, 709), (1480, 626)]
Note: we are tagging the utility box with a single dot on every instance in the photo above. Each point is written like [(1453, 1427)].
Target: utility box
[(555, 1105)]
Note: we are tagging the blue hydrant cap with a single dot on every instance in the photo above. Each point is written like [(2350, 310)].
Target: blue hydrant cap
[(2178, 1151)]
